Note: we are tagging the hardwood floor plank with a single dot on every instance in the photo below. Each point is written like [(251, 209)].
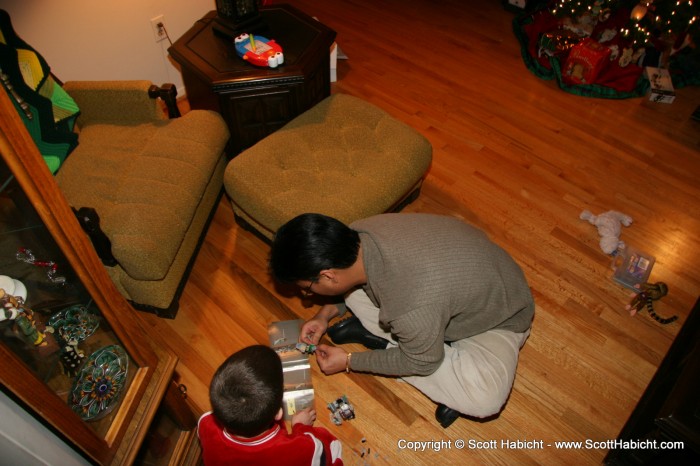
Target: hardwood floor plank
[(520, 159)]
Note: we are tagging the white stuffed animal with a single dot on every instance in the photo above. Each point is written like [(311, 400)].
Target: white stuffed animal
[(609, 228)]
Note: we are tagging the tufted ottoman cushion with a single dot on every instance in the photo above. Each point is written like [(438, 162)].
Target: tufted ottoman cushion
[(344, 158)]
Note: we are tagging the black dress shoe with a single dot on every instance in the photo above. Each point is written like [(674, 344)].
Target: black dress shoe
[(446, 416), (351, 331)]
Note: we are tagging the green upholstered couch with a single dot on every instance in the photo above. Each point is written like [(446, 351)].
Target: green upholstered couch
[(143, 185), (153, 181)]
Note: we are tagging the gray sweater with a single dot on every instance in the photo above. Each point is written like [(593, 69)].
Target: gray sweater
[(435, 279)]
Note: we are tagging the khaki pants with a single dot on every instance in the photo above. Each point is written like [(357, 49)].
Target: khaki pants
[(477, 374)]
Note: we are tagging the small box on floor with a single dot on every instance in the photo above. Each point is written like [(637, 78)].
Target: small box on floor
[(298, 388), (661, 85), (632, 267)]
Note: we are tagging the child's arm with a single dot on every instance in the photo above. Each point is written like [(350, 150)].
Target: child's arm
[(306, 417)]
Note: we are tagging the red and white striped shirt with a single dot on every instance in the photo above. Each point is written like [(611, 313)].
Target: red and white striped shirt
[(305, 446)]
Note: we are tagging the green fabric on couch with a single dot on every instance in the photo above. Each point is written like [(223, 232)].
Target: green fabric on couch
[(153, 183), (53, 111)]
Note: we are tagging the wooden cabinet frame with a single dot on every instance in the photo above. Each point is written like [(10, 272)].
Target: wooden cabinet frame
[(155, 364)]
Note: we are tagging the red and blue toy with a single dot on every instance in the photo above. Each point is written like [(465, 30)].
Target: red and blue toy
[(259, 50)]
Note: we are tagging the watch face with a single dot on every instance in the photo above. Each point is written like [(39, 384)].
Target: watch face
[(236, 9)]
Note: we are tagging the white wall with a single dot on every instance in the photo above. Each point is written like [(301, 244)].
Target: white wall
[(105, 39), (24, 441)]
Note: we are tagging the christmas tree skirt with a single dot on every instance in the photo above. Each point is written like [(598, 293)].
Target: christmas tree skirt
[(591, 58)]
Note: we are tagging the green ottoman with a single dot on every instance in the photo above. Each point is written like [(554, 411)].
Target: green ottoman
[(344, 158)]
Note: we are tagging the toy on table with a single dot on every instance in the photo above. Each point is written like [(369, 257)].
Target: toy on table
[(341, 410), (609, 228), (259, 50)]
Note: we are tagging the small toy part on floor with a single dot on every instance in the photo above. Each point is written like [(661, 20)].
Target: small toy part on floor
[(341, 410), (609, 228)]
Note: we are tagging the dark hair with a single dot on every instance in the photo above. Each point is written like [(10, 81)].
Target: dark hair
[(246, 391), (310, 243)]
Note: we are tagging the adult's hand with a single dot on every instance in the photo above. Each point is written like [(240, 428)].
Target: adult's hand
[(331, 359), (313, 329)]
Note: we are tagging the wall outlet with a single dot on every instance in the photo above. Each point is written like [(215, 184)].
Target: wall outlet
[(158, 26)]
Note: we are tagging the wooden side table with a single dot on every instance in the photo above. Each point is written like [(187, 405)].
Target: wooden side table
[(256, 101)]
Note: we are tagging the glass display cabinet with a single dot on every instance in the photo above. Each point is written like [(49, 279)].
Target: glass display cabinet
[(72, 350)]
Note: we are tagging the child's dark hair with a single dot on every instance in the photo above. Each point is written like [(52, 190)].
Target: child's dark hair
[(246, 391)]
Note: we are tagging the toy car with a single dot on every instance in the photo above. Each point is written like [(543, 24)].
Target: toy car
[(341, 410), (259, 50)]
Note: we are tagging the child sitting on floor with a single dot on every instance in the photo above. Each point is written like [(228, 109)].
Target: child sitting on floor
[(245, 426)]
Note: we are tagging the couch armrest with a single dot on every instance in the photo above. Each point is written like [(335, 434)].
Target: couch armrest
[(114, 102), (168, 94)]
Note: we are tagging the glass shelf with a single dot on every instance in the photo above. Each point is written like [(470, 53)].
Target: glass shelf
[(79, 356)]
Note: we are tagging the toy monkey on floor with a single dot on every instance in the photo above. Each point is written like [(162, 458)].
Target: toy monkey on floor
[(649, 292)]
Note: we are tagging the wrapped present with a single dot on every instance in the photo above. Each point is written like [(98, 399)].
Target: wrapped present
[(585, 62)]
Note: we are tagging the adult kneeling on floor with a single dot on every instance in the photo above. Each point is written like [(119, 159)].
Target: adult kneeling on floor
[(441, 305)]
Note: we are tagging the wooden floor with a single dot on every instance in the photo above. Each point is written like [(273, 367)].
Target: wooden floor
[(520, 159)]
